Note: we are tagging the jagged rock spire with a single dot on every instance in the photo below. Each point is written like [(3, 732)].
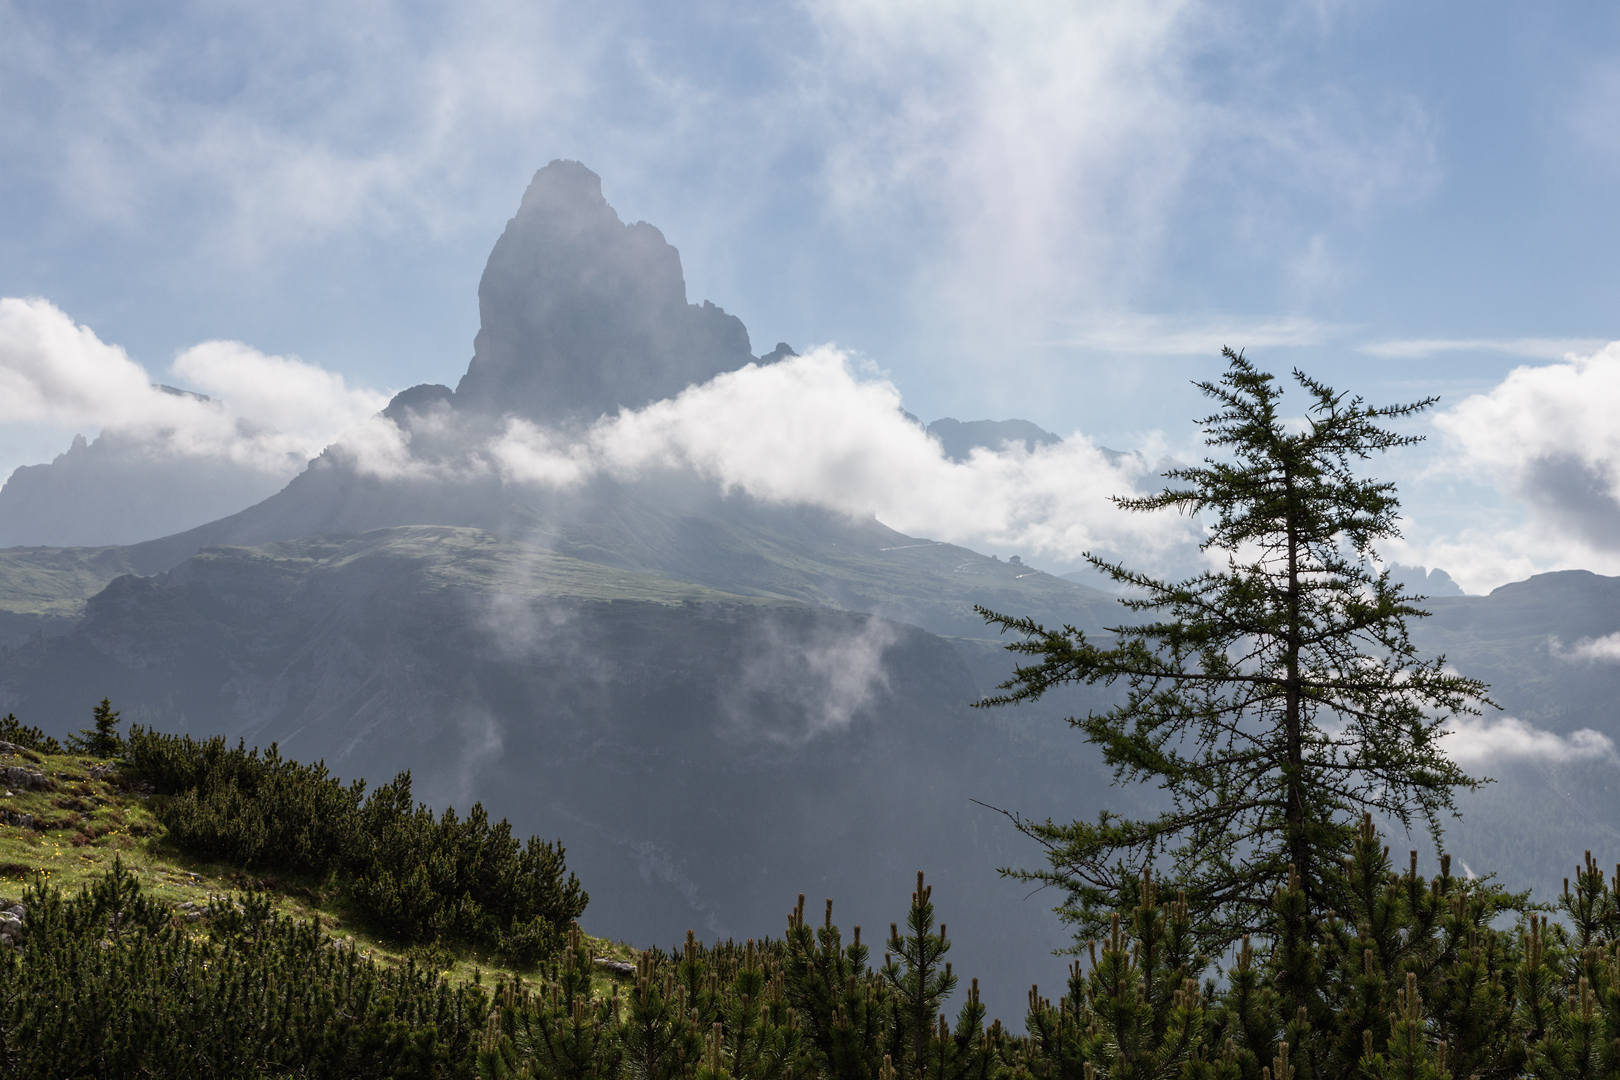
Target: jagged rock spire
[(581, 313)]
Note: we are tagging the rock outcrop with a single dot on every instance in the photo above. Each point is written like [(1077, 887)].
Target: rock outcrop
[(582, 314)]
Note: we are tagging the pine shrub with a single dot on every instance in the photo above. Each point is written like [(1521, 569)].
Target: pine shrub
[(108, 985), (1410, 978), (17, 733), (418, 876)]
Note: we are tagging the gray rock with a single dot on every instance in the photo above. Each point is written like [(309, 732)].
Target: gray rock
[(581, 314), (16, 777)]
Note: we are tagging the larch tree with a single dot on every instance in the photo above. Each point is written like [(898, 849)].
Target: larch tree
[(1273, 700)]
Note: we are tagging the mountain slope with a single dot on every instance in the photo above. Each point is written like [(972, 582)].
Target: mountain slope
[(702, 754), (44, 590)]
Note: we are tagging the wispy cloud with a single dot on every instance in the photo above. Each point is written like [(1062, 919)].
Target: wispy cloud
[(1168, 335), (252, 129), (1047, 150), (1010, 161), (1605, 649), (1479, 741), (1533, 348), (803, 679)]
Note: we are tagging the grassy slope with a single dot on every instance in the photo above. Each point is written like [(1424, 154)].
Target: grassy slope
[(92, 822), (56, 581), (635, 552), (455, 557), (821, 558)]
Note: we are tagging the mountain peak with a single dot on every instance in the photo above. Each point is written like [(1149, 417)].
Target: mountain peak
[(582, 314)]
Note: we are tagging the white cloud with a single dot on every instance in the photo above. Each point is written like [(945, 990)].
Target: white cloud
[(1605, 649), (808, 430), (1534, 348), (299, 399), (1478, 741), (1178, 336), (273, 412), (54, 372), (1478, 559), (1547, 435)]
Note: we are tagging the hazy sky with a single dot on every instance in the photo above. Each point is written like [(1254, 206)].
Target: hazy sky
[(1052, 211)]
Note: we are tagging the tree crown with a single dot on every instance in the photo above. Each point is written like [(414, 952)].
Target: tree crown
[(1273, 700)]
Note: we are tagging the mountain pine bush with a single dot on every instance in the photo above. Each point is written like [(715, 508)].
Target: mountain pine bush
[(17, 733), (418, 876), (107, 984), (1414, 979)]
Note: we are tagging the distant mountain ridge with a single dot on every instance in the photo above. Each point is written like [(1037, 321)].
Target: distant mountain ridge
[(120, 489), (960, 438)]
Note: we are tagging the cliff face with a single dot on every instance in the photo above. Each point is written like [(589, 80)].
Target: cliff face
[(582, 314)]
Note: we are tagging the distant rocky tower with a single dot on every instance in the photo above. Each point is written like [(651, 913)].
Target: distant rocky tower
[(582, 314)]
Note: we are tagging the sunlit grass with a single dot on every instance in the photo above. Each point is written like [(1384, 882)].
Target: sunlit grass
[(90, 823)]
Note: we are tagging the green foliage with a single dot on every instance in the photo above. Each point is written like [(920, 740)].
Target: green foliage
[(1274, 700), (101, 739), (922, 985), (806, 1006), (1409, 980), (17, 733), (420, 877), (1138, 1013), (107, 986)]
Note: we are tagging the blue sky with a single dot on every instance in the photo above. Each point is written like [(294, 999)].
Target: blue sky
[(1053, 211)]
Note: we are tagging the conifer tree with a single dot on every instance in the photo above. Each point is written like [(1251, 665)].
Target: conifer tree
[(922, 985), (101, 739), (1273, 700)]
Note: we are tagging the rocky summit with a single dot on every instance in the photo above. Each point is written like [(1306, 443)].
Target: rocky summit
[(582, 314)]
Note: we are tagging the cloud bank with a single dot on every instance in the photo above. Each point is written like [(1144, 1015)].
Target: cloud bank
[(814, 430), (821, 429), (1523, 479), (1474, 742), (1603, 650), (1547, 435), (266, 413)]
